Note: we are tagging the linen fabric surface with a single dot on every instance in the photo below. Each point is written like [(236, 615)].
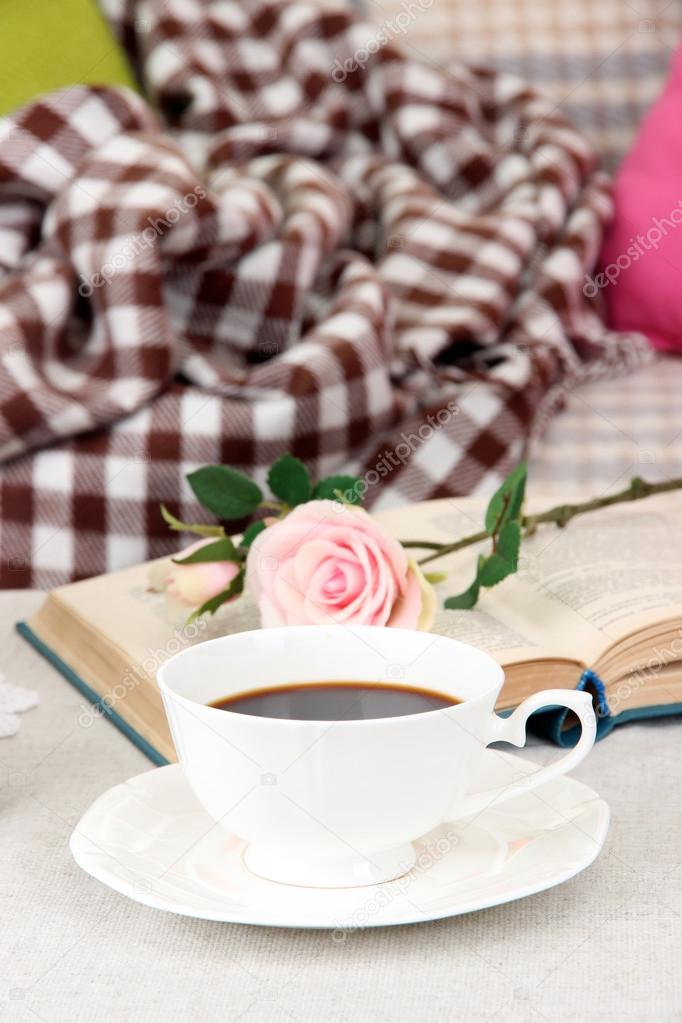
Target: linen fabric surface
[(601, 948), (279, 253)]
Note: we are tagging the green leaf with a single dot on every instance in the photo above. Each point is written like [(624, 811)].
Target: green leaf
[(464, 601), (221, 550), (503, 523), (509, 543), (212, 605), (435, 577), (335, 488), (468, 599), (224, 491), (251, 532), (190, 527), (493, 570), (505, 505), (289, 480), (504, 560)]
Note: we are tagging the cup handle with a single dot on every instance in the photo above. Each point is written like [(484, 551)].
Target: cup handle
[(513, 730)]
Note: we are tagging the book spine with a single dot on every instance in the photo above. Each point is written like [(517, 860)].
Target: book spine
[(554, 723), (84, 689)]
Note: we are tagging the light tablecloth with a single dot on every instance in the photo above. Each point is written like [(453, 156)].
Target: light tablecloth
[(604, 946)]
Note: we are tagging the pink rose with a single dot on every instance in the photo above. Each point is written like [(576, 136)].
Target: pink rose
[(327, 562), (194, 584)]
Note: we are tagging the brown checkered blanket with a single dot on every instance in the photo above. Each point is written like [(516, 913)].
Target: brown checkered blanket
[(307, 242)]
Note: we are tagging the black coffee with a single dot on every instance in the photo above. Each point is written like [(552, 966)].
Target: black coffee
[(334, 701)]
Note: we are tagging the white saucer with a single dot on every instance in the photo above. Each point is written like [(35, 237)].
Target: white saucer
[(150, 839)]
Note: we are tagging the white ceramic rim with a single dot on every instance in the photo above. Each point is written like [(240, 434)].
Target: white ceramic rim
[(489, 669)]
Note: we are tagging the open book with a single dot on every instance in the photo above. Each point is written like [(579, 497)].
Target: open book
[(597, 605)]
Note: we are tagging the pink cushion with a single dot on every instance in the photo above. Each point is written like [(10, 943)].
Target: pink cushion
[(641, 261)]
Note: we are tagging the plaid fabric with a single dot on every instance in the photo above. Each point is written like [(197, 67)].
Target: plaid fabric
[(601, 62), (610, 431), (368, 262)]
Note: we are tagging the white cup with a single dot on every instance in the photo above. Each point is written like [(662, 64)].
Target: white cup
[(338, 803)]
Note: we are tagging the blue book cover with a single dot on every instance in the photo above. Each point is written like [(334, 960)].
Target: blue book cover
[(103, 706)]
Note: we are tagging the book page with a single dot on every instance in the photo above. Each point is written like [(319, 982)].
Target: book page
[(579, 589), (121, 607), (514, 622), (619, 568)]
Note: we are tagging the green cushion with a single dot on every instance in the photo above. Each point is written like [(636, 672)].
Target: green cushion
[(49, 44)]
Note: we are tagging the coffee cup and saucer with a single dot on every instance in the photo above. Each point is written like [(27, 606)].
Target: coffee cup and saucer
[(323, 768)]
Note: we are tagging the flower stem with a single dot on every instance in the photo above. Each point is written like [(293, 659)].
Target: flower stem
[(560, 515)]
